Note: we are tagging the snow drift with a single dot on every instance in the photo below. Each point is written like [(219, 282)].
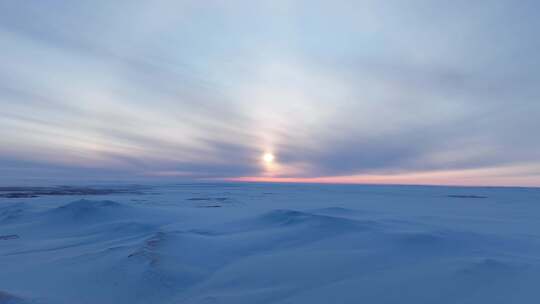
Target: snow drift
[(298, 245)]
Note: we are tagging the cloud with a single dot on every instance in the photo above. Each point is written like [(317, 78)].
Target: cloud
[(200, 90)]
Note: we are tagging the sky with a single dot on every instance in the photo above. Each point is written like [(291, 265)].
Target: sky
[(406, 92)]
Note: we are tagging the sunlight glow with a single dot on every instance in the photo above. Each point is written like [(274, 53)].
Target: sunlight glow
[(268, 157)]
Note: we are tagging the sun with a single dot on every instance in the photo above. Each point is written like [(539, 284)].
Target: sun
[(268, 158)]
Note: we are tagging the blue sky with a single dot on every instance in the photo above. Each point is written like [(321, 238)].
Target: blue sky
[(356, 91)]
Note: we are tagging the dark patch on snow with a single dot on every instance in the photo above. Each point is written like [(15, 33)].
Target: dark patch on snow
[(7, 298), (9, 237), (29, 192), (18, 195), (211, 202), (218, 199), (466, 196)]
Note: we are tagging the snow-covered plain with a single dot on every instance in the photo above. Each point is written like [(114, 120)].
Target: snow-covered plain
[(272, 243)]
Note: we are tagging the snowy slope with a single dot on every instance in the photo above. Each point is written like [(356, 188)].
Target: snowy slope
[(272, 243)]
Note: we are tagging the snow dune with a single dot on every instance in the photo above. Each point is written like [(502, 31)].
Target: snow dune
[(301, 244)]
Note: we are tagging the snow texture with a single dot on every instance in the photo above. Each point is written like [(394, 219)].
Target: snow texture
[(272, 243)]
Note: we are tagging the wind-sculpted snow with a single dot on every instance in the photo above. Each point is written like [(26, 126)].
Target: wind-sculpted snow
[(298, 245), (88, 210), (7, 298), (12, 212), (290, 220)]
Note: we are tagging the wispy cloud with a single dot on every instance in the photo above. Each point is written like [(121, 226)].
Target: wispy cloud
[(356, 89)]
